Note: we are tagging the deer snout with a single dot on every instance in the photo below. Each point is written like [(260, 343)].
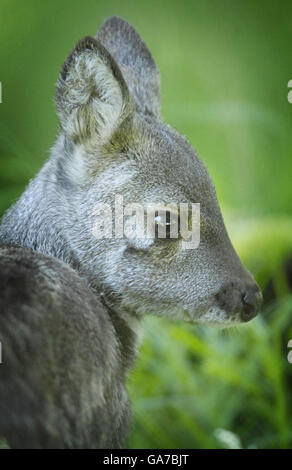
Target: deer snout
[(251, 304), (242, 302)]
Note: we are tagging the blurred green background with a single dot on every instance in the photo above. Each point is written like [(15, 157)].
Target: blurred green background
[(225, 68)]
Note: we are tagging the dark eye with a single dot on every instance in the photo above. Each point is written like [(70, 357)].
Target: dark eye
[(169, 225)]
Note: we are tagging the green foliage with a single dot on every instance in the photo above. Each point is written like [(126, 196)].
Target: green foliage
[(191, 382), (225, 68), (3, 444)]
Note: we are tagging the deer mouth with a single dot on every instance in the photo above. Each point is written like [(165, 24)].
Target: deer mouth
[(219, 318)]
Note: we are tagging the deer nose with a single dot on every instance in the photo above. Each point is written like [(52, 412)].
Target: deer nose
[(251, 303)]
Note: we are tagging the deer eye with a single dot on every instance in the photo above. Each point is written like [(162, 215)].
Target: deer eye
[(167, 225)]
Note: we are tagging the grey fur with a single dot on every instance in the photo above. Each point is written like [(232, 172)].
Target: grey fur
[(135, 61), (112, 141), (64, 366)]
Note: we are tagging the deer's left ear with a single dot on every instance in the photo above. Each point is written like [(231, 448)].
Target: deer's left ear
[(92, 98)]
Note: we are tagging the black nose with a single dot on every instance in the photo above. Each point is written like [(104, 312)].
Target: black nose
[(251, 303)]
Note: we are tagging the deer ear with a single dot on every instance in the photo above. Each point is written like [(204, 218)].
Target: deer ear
[(92, 97), (135, 61)]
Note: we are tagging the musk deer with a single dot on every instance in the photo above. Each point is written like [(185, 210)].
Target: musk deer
[(72, 303)]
